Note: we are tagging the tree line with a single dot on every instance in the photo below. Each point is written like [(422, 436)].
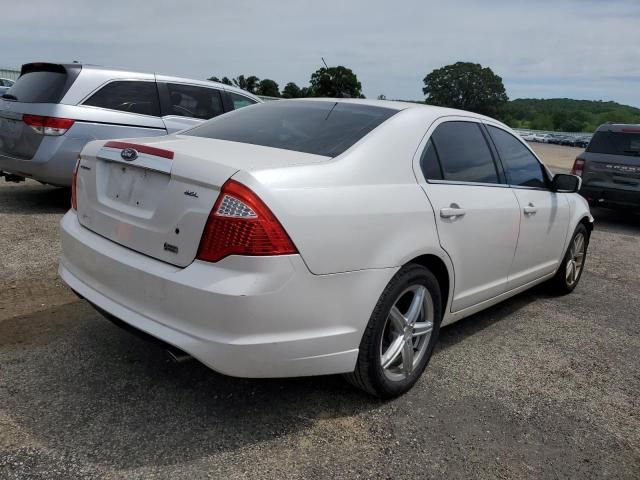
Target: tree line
[(325, 82), (462, 85)]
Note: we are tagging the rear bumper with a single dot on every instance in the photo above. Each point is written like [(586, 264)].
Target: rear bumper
[(243, 316), (53, 162), (611, 197)]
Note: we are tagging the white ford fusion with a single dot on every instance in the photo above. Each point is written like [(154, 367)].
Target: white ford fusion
[(310, 237)]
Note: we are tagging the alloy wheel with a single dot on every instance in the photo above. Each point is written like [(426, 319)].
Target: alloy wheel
[(406, 333), (576, 259)]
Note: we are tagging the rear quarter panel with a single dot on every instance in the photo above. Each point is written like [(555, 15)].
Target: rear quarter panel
[(361, 210)]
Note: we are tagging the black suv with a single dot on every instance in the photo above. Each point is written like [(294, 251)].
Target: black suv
[(610, 166)]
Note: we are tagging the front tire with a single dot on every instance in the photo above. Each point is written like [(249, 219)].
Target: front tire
[(401, 335), (570, 271)]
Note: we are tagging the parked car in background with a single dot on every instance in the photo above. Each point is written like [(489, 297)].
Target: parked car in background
[(581, 142), (610, 167), (542, 137), (279, 240), (53, 110), (5, 84), (528, 136), (567, 141), (555, 138)]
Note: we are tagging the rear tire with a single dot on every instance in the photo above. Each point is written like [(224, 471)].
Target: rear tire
[(401, 334), (570, 270)]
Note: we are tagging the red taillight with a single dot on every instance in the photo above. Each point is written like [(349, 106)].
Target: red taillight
[(578, 166), (74, 199), (241, 224), (48, 125)]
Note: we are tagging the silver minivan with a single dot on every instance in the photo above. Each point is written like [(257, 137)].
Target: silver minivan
[(53, 110)]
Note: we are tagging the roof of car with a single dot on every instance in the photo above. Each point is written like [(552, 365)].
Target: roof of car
[(161, 77), (618, 127), (401, 105), (432, 110)]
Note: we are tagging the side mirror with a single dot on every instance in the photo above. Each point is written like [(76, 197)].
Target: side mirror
[(565, 183)]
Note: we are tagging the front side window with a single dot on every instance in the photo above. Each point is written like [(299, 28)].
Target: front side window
[(193, 101), (128, 96), (240, 101), (522, 167), (464, 154)]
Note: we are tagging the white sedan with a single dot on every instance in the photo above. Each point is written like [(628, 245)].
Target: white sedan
[(541, 137), (318, 236)]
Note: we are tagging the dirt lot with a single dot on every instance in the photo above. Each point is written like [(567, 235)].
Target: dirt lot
[(538, 387), (556, 157)]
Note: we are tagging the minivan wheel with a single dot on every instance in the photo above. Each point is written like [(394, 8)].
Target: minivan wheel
[(570, 271), (402, 331)]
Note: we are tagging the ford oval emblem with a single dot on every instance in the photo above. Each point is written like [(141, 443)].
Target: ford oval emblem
[(129, 154)]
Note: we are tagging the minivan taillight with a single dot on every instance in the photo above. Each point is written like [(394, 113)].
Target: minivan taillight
[(74, 177), (578, 166), (241, 224), (48, 125)]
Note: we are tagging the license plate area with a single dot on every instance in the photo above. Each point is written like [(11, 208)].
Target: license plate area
[(10, 128), (132, 188)]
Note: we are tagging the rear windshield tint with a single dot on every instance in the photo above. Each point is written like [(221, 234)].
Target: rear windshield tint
[(320, 128), (616, 143), (42, 83)]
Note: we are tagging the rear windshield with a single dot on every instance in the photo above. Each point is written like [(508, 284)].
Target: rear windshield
[(42, 83), (320, 128), (616, 143)]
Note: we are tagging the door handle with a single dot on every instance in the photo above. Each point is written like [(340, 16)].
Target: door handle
[(452, 211), (530, 209)]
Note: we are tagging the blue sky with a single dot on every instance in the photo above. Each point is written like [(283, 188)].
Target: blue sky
[(542, 49)]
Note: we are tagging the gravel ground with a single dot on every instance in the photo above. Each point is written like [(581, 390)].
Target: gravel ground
[(538, 387)]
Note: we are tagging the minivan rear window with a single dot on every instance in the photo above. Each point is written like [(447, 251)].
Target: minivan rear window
[(616, 143), (317, 127), (43, 83)]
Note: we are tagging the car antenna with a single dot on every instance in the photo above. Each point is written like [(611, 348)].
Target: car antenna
[(341, 94)]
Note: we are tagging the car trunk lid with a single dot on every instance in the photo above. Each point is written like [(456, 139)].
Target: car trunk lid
[(154, 195)]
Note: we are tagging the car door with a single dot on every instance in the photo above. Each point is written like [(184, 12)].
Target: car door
[(477, 215), (185, 106), (544, 214)]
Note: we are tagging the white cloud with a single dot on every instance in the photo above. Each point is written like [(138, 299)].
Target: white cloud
[(572, 48)]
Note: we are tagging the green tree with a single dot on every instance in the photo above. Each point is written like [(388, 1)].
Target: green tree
[(250, 84), (335, 82), (224, 80), (268, 88), (291, 90), (467, 86)]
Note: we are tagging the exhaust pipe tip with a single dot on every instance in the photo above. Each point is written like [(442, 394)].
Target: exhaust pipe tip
[(11, 178), (175, 355)]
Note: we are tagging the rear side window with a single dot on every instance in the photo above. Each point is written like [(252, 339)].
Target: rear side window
[(240, 101), (429, 163), (43, 83), (464, 154), (193, 101), (616, 143), (128, 96), (522, 168), (317, 127)]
